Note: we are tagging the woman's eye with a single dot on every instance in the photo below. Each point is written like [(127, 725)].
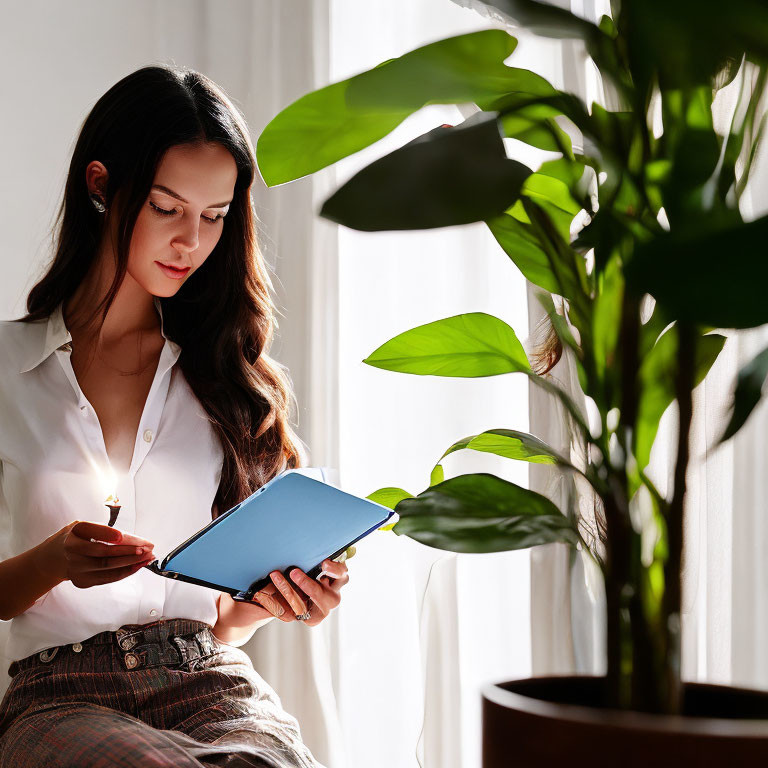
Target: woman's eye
[(164, 212), (161, 210)]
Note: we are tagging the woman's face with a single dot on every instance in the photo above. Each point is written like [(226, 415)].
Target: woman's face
[(182, 219)]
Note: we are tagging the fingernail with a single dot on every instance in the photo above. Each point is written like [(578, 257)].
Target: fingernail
[(277, 576), (296, 574)]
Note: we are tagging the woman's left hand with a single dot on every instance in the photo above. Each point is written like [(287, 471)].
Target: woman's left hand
[(316, 597)]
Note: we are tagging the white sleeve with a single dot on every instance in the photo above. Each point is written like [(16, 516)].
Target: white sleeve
[(6, 528)]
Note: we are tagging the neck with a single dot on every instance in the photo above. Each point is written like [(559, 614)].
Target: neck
[(132, 311)]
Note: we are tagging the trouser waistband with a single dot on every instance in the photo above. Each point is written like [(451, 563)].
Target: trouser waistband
[(166, 642)]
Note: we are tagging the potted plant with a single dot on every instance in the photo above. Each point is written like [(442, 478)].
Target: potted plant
[(659, 207)]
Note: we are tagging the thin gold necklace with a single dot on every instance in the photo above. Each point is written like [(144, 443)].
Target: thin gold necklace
[(97, 349), (118, 370)]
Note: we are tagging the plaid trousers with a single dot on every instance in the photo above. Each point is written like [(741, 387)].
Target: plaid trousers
[(143, 696)]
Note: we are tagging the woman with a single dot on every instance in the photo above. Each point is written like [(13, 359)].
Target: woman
[(143, 357)]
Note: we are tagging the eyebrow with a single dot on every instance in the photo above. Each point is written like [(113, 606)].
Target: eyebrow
[(170, 192)]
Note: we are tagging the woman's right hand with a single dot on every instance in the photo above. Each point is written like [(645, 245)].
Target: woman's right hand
[(79, 553)]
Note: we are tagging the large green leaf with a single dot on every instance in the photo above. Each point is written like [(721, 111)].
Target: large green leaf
[(749, 387), (657, 385), (685, 273), (447, 177), (469, 345), (331, 123), (482, 513)]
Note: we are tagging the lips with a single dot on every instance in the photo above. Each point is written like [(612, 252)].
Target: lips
[(172, 272)]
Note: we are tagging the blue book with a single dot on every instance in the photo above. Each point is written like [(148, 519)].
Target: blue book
[(296, 520)]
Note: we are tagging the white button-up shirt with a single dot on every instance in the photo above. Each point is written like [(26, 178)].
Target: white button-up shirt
[(54, 469)]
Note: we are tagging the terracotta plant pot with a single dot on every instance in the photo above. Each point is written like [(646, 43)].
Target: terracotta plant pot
[(553, 721)]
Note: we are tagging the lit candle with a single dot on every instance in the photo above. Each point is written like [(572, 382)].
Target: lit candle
[(114, 508), (112, 502)]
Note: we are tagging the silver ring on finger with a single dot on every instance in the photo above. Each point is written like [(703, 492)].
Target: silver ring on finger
[(304, 616)]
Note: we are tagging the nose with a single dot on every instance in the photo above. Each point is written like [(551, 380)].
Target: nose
[(187, 238)]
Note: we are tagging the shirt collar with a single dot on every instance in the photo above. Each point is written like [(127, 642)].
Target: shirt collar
[(58, 337)]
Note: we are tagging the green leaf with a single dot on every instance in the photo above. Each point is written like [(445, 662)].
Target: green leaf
[(456, 70), (534, 126), (468, 345), (508, 443), (749, 387), (340, 119), (446, 177), (545, 19), (522, 246), (545, 188), (607, 315), (550, 226), (389, 497), (657, 385), (437, 475), (570, 172), (482, 513), (553, 197), (684, 272)]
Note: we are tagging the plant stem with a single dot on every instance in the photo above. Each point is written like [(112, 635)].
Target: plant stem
[(621, 592), (684, 381)]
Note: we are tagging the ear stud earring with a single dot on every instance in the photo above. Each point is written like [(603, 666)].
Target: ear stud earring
[(98, 202)]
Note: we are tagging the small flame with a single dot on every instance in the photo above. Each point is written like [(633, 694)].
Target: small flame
[(109, 483)]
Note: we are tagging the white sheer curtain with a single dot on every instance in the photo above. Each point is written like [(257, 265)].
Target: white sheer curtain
[(420, 629)]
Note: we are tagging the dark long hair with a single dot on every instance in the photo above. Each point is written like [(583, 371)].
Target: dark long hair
[(223, 316)]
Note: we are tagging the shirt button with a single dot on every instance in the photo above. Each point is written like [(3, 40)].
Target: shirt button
[(148, 435), (131, 660), (77, 647), (153, 612)]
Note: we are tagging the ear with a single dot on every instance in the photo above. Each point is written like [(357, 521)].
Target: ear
[(96, 175)]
